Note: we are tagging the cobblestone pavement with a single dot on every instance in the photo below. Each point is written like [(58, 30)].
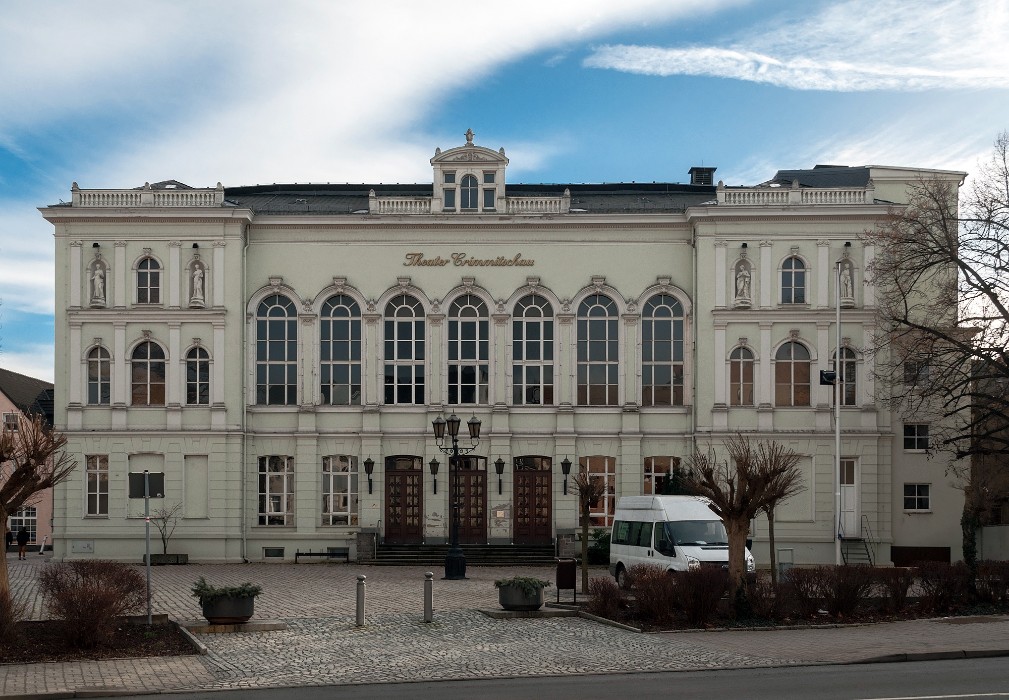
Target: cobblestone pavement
[(323, 646)]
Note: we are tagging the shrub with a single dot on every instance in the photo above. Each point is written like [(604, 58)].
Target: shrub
[(767, 600), (599, 547), (843, 588), (942, 585), (803, 587), (88, 596), (894, 585), (208, 594), (698, 591), (992, 581), (607, 598), (528, 585), (11, 613), (654, 593)]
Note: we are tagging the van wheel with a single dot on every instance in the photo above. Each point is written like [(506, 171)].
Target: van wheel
[(623, 580)]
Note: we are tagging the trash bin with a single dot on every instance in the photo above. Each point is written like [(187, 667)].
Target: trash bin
[(567, 577)]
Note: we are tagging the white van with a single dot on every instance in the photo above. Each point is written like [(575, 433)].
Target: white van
[(675, 532)]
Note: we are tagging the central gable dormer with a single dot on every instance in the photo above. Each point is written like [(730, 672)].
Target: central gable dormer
[(469, 179)]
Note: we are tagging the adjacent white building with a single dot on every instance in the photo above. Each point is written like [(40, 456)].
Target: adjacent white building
[(265, 346)]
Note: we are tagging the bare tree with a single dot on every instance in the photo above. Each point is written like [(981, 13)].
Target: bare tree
[(589, 490), (166, 520), (750, 480), (31, 460), (941, 272), (782, 464)]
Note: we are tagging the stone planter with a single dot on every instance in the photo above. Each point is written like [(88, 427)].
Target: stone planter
[(161, 559), (515, 598), (229, 611)]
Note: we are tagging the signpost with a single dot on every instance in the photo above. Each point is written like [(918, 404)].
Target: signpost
[(146, 486)]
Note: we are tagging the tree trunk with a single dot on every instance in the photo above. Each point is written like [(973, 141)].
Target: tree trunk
[(969, 523), (737, 531), (585, 549), (770, 543), (5, 586)]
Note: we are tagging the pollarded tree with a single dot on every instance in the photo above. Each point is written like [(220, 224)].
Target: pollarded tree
[(941, 272), (750, 480), (589, 490), (31, 460)]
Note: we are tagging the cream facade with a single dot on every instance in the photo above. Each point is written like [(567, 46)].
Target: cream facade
[(263, 346)]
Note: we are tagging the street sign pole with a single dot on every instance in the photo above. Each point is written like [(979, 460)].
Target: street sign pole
[(147, 535)]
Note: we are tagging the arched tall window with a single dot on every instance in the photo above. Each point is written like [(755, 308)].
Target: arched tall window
[(470, 192), (99, 377), (602, 509), (662, 352), (404, 351), (533, 351), (846, 376), (147, 365), (197, 377), (598, 351), (791, 375), (148, 281), (468, 368), (793, 281), (276, 352), (741, 377), (340, 351)]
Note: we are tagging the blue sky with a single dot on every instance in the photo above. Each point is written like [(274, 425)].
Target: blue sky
[(113, 94)]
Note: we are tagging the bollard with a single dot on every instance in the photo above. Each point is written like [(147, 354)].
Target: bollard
[(428, 597), (360, 600)]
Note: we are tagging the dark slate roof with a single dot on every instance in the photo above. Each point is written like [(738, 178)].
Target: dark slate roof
[(823, 176), (30, 395), (346, 199)]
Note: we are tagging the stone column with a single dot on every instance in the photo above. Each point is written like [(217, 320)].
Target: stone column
[(767, 283), (120, 282), (173, 274), (213, 280), (76, 263), (824, 273), (720, 263)]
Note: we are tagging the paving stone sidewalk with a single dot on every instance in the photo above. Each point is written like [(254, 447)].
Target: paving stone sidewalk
[(323, 646)]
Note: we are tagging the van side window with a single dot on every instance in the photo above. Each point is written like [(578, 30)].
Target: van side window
[(634, 535), (620, 531), (645, 535), (662, 541)]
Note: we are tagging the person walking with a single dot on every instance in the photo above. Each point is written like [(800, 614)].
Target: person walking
[(23, 543)]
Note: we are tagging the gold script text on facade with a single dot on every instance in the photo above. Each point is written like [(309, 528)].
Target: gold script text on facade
[(462, 260)]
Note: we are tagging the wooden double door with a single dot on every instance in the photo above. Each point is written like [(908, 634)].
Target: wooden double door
[(404, 499), (532, 520)]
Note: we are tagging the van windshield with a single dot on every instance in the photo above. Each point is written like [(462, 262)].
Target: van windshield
[(697, 532)]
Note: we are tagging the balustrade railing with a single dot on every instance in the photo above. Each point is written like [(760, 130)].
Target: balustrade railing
[(780, 196), (400, 205), (148, 197)]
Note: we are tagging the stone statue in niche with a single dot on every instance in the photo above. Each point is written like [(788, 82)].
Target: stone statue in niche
[(847, 290), (98, 284), (742, 283), (197, 296)]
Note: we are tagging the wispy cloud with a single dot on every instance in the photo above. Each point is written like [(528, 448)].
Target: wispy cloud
[(849, 46), (30, 360)]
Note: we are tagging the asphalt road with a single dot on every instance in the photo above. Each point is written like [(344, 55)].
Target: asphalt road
[(921, 680)]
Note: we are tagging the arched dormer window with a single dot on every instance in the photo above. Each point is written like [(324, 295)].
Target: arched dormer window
[(469, 192), (276, 352), (148, 281), (793, 281)]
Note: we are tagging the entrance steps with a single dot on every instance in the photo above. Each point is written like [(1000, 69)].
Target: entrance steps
[(855, 551), (476, 554)]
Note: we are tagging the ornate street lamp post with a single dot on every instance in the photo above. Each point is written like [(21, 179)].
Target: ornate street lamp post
[(455, 560)]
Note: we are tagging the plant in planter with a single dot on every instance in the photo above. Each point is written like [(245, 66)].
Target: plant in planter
[(166, 520), (521, 592), (224, 605)]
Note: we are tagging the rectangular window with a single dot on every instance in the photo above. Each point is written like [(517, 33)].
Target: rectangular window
[(339, 490), (915, 372), (25, 517), (449, 198), (11, 422), (657, 473), (916, 436), (601, 509), (488, 177), (97, 475), (450, 178), (488, 199), (916, 497), (276, 490)]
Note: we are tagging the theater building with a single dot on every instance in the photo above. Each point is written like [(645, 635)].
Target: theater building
[(279, 352)]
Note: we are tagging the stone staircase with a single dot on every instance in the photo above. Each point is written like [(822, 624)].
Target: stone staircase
[(476, 554)]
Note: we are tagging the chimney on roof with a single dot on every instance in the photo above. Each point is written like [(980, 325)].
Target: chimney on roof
[(702, 176)]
